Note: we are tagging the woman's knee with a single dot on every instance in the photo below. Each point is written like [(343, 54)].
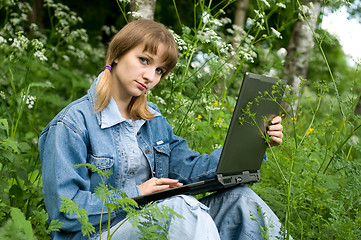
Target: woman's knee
[(194, 223), (242, 191), (184, 204)]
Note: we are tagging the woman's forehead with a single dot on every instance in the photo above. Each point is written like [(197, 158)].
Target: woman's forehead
[(159, 50)]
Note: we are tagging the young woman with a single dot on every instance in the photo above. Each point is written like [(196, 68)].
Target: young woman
[(115, 128)]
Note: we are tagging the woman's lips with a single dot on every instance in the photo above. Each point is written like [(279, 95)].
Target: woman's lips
[(141, 86)]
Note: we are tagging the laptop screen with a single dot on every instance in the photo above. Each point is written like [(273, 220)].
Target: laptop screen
[(245, 146)]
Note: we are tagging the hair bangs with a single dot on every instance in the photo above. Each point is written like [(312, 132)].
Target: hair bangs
[(169, 56)]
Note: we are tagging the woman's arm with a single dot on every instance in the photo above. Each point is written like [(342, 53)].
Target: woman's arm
[(61, 145)]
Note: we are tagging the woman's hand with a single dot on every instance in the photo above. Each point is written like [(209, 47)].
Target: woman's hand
[(158, 184), (275, 131)]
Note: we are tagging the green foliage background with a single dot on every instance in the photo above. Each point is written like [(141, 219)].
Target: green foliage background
[(311, 181)]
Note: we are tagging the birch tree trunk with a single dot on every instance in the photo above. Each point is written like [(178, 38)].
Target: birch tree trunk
[(300, 46), (238, 30), (239, 21), (142, 9)]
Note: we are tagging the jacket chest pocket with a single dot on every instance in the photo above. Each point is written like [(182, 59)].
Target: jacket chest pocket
[(162, 156), (102, 163)]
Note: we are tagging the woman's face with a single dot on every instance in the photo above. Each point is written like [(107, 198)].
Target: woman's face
[(136, 72)]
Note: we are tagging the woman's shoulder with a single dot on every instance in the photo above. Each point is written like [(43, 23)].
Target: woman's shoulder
[(74, 114), (153, 107)]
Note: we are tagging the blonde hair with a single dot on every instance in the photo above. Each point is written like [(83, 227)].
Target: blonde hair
[(142, 31)]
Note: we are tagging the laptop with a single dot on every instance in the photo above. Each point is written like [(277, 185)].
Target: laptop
[(245, 146)]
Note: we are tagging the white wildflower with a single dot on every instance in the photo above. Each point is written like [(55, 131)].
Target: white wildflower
[(15, 20), (34, 27), (2, 95), (249, 22), (266, 3), (207, 69), (21, 42), (16, 43), (216, 22), (37, 44), (135, 15), (23, 17), (106, 29), (63, 23), (230, 31), (272, 72), (66, 58), (212, 107), (41, 56), (306, 9), (216, 146), (182, 45), (354, 140), (55, 66), (281, 5), (160, 100), (258, 13), (170, 76), (277, 33), (247, 56), (2, 40), (60, 14), (206, 17), (260, 26), (282, 52), (225, 20), (217, 124), (30, 101)]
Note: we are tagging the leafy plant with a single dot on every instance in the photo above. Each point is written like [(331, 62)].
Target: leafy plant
[(151, 220)]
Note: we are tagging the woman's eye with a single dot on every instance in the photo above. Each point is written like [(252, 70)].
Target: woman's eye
[(159, 71), (143, 60)]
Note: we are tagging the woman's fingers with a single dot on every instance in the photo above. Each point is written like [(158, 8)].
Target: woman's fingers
[(276, 120), (275, 131), (168, 181), (158, 184)]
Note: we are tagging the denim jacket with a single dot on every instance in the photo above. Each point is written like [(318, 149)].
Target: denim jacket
[(80, 135)]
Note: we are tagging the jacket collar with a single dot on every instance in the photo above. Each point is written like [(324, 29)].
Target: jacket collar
[(110, 115)]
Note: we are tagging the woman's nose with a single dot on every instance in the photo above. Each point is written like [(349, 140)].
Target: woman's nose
[(149, 74)]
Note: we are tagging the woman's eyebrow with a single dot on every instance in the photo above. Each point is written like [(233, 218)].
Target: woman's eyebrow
[(150, 56)]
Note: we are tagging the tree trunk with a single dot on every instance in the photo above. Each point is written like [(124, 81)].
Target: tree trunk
[(300, 46), (36, 15), (142, 9), (238, 30), (239, 21)]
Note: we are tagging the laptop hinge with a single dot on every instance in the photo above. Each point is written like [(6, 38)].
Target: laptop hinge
[(243, 178)]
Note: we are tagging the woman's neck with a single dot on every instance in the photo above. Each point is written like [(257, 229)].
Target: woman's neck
[(123, 107), (121, 100)]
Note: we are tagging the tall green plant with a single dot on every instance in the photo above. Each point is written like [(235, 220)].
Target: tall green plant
[(150, 220)]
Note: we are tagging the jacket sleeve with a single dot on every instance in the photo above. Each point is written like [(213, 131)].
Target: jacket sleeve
[(62, 145), (187, 165)]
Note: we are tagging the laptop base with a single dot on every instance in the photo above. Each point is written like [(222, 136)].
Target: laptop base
[(211, 185)]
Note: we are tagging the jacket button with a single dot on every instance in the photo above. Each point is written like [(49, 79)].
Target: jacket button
[(147, 151)]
